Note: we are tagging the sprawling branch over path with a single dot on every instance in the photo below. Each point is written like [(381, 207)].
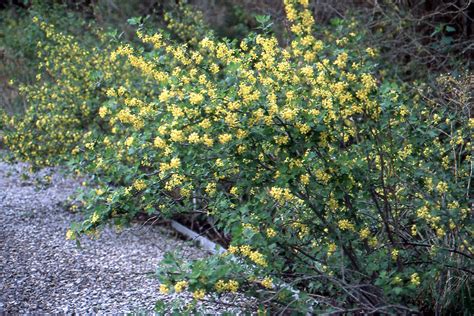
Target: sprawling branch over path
[(42, 272)]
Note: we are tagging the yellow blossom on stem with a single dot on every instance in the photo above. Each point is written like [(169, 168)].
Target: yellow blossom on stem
[(95, 218), (267, 282), (415, 279), (199, 294), (271, 232), (70, 234), (180, 286), (394, 254), (164, 289)]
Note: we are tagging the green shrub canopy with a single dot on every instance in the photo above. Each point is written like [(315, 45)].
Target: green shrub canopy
[(340, 191)]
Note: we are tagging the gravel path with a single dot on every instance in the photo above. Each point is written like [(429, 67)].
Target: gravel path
[(41, 272)]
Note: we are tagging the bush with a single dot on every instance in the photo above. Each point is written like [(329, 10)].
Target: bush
[(341, 192)]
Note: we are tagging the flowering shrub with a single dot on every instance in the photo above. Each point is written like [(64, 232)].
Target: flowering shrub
[(340, 192)]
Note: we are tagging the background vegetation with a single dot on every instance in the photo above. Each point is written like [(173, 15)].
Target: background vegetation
[(326, 144)]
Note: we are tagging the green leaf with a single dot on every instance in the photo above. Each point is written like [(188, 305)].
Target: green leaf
[(262, 19), (134, 20), (397, 290)]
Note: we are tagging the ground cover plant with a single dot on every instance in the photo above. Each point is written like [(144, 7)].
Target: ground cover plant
[(337, 187)]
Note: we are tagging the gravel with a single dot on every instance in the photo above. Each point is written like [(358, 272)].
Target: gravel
[(42, 272)]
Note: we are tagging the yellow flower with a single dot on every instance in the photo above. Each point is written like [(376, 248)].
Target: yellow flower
[(103, 111), (289, 114), (233, 249), (341, 60), (195, 98), (322, 176), (395, 254), (164, 96), (304, 128), (70, 235), (220, 286), (440, 232), (370, 51), (232, 286), (164, 289), (442, 187), (180, 286), (175, 163), (111, 92), (121, 91), (129, 141), (177, 135), (415, 279), (258, 258), (267, 282), (304, 179), (139, 184), (219, 162), (282, 140), (211, 189), (205, 123), (225, 138), (331, 248), (245, 250), (95, 218), (159, 143), (208, 141), (193, 138), (155, 39), (214, 68), (199, 294), (344, 224), (271, 232), (423, 212), (304, 3), (364, 233), (176, 111)]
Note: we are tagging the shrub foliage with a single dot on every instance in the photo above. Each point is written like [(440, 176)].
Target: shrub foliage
[(340, 191)]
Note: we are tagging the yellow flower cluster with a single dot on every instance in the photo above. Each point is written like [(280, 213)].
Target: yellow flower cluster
[(303, 230), (394, 254), (164, 289), (415, 279), (180, 286), (95, 218), (284, 195), (364, 233), (155, 39), (199, 294), (267, 282), (331, 248), (271, 232), (196, 98), (139, 185), (230, 286), (345, 224), (70, 234), (225, 138), (246, 250)]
